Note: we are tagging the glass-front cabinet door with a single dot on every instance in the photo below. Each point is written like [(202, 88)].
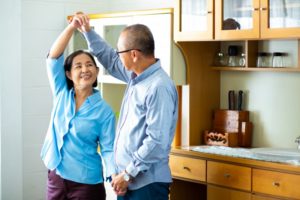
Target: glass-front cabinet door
[(109, 28), (193, 20), (238, 19), (280, 18)]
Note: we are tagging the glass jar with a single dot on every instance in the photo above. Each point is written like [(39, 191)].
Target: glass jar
[(263, 59), (278, 59), (232, 56), (242, 60), (220, 59)]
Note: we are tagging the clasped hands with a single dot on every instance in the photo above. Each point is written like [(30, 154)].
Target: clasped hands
[(80, 21), (119, 184)]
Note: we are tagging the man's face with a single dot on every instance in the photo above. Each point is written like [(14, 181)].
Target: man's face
[(125, 57)]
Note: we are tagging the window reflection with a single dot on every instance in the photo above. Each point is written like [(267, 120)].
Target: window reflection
[(237, 14), (284, 13), (194, 15), (111, 35)]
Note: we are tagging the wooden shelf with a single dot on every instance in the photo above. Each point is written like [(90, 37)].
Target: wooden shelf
[(258, 69)]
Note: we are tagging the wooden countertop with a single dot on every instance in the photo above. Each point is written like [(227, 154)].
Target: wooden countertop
[(282, 167)]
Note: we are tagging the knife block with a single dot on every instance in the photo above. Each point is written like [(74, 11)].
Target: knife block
[(230, 128)]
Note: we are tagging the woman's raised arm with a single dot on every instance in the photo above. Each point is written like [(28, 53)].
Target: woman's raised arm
[(63, 39)]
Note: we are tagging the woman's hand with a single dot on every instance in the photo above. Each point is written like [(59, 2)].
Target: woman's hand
[(78, 21), (119, 184), (81, 22)]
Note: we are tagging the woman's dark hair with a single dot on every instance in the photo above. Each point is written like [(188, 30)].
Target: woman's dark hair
[(68, 65)]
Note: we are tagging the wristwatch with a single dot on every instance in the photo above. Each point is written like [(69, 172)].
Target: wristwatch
[(127, 177)]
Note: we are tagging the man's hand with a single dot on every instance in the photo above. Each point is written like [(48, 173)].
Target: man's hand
[(119, 184)]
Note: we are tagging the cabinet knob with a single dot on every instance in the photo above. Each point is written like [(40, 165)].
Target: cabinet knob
[(209, 12), (263, 9), (227, 175), (255, 9), (187, 168), (276, 184)]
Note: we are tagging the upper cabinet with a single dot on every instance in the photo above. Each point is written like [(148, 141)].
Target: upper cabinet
[(194, 20), (253, 19), (200, 20), (160, 22), (280, 18), (237, 19)]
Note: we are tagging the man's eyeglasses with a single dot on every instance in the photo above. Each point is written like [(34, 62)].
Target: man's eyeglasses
[(124, 51)]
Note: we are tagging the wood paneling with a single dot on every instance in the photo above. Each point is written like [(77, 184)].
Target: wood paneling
[(204, 87)]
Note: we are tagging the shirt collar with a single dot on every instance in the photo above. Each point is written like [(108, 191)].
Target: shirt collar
[(145, 74), (92, 99)]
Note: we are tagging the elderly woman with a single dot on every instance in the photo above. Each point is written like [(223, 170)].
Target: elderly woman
[(80, 121)]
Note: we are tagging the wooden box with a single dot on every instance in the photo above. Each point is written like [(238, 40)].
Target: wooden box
[(230, 128)]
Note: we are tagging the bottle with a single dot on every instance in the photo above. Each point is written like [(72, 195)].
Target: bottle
[(263, 59), (278, 59), (242, 60), (220, 59), (232, 56)]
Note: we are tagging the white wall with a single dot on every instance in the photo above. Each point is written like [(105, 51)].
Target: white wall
[(273, 101), (123, 5), (29, 28), (11, 99)]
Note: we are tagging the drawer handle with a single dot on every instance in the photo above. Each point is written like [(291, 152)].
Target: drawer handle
[(227, 175), (276, 184), (187, 168)]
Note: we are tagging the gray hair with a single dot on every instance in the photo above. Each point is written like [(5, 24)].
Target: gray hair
[(139, 36)]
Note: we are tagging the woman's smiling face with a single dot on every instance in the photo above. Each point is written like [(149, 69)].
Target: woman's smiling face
[(83, 72)]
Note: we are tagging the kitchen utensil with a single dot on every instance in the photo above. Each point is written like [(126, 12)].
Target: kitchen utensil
[(240, 100), (231, 100)]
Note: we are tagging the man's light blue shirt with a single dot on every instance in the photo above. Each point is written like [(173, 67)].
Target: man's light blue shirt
[(73, 136), (147, 119)]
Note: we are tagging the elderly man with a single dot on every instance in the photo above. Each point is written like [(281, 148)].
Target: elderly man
[(148, 114)]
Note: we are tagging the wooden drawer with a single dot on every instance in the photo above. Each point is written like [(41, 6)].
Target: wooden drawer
[(257, 197), (188, 168), (229, 175), (276, 183), (216, 193)]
